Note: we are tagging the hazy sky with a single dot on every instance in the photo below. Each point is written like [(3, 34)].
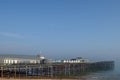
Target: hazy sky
[(61, 28)]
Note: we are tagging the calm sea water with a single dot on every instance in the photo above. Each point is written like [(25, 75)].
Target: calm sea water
[(105, 75)]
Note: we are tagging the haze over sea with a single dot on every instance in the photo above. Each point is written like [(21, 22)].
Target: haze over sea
[(63, 29), (106, 75)]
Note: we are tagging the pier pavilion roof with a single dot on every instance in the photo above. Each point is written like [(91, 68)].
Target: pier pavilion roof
[(2, 56)]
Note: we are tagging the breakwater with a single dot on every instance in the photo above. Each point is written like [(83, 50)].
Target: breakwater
[(62, 70)]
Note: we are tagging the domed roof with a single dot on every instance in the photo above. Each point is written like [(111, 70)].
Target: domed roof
[(40, 56)]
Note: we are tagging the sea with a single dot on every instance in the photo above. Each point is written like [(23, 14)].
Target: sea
[(104, 75)]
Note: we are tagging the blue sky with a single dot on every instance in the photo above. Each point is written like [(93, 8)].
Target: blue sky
[(61, 28)]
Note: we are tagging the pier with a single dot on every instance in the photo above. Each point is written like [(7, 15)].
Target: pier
[(60, 70)]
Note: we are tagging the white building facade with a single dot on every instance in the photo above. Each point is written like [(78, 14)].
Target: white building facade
[(76, 60), (8, 61)]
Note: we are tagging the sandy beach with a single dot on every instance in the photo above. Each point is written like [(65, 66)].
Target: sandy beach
[(38, 79)]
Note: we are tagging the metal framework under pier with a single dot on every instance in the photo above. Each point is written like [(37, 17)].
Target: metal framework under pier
[(65, 70)]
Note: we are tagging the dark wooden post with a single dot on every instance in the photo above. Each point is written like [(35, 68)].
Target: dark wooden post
[(14, 71), (48, 70), (42, 70), (69, 70), (51, 72), (65, 70), (32, 71), (26, 69), (19, 72), (1, 72)]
